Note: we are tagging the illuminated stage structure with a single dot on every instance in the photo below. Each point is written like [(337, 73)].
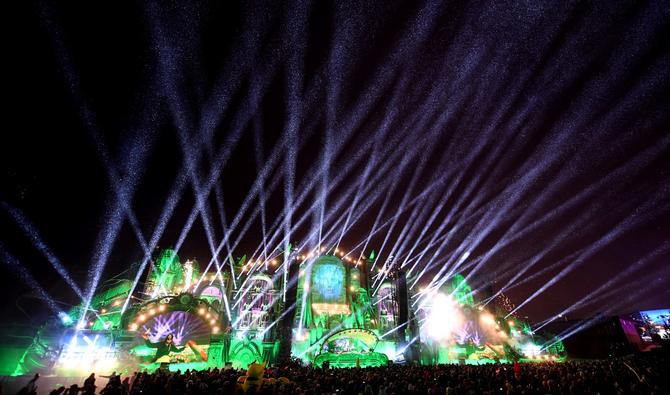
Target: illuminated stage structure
[(340, 311)]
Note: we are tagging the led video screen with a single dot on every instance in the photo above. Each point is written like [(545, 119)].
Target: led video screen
[(328, 283)]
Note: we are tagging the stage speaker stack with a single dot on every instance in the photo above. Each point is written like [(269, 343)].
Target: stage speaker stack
[(285, 330), (403, 316)]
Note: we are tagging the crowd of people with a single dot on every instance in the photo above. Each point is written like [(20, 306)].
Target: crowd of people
[(631, 375)]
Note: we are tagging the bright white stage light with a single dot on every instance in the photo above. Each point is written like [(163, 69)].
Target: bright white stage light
[(444, 317), (487, 319), (64, 318), (531, 350)]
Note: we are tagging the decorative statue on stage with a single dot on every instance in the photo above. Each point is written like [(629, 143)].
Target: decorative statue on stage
[(165, 347)]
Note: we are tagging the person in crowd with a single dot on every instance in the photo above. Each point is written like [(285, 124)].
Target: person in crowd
[(89, 384), (31, 387), (58, 391)]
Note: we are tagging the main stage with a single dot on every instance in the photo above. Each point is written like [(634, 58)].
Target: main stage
[(321, 306)]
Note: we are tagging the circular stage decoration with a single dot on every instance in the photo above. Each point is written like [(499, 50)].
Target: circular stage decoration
[(350, 340), (349, 348), (191, 337), (181, 325)]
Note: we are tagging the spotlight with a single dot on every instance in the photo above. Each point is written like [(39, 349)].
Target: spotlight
[(510, 323), (530, 350), (444, 317), (133, 326), (212, 321), (64, 318), (142, 317), (301, 335), (103, 311), (152, 311), (201, 311), (215, 329), (161, 307), (208, 315), (487, 319), (116, 303)]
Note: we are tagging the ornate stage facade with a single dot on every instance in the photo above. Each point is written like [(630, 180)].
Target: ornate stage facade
[(323, 307)]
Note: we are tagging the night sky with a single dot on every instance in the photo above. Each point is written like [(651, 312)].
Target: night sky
[(525, 144)]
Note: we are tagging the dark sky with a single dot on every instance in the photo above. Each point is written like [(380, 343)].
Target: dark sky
[(530, 136)]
